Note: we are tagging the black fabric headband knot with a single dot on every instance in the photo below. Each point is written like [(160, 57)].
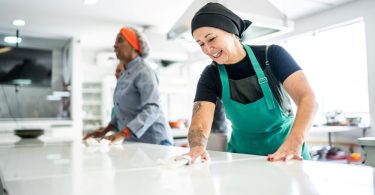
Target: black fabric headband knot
[(217, 16)]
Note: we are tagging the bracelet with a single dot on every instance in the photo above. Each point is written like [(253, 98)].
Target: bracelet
[(126, 133)]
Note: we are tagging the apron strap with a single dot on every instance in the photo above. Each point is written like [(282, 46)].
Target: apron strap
[(225, 94), (267, 61), (262, 79)]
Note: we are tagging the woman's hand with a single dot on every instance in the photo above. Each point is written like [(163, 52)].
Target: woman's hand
[(290, 149), (95, 134), (303, 96), (119, 136), (198, 151)]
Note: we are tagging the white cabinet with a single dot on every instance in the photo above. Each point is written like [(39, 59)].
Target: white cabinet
[(91, 105), (108, 88)]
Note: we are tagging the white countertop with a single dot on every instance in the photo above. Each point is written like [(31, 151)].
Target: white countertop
[(68, 167)]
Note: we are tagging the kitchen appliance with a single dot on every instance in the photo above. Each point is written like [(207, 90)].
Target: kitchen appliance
[(353, 121), (2, 185), (368, 145), (28, 133)]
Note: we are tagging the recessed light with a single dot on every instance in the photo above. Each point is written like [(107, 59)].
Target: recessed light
[(12, 39), (19, 22), (90, 2)]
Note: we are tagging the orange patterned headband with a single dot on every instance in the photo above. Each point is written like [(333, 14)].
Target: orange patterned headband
[(130, 36)]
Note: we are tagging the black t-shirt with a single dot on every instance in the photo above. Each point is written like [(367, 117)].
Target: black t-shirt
[(282, 65)]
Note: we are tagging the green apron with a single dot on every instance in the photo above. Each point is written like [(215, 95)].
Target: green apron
[(259, 127), (112, 115)]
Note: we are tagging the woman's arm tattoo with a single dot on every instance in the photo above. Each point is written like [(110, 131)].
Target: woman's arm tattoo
[(196, 138), (196, 107)]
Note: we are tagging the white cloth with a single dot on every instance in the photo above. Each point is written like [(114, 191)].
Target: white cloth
[(179, 161), (97, 142)]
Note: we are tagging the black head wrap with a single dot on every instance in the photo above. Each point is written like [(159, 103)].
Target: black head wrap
[(217, 16)]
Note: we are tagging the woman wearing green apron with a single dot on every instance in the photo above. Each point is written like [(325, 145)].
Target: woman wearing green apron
[(254, 84)]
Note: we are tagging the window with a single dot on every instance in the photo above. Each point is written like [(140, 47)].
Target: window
[(335, 63)]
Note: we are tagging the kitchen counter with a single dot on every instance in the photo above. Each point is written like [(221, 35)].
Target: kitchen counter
[(334, 129), (70, 167)]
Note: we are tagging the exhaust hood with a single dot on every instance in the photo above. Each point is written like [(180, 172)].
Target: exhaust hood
[(267, 20)]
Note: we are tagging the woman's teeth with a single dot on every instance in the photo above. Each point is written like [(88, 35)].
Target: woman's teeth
[(215, 55)]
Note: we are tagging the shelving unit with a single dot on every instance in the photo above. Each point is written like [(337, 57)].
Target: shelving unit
[(108, 88), (91, 105)]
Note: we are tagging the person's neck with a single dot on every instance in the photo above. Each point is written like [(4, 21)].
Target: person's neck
[(238, 54), (127, 61)]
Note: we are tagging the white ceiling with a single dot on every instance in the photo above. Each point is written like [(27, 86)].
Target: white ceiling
[(97, 25), (295, 9)]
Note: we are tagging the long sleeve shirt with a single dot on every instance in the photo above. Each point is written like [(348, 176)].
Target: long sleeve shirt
[(137, 105)]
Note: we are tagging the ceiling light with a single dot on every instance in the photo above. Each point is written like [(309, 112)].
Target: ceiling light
[(12, 39), (90, 2), (18, 22)]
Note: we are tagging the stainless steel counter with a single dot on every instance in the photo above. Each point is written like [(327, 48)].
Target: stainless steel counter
[(334, 129)]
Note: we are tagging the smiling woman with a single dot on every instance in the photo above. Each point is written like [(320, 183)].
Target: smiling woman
[(253, 83)]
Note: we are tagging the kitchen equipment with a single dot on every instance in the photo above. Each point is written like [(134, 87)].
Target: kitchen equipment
[(353, 121), (175, 124), (217, 142), (2, 185), (28, 133), (368, 145), (335, 118), (331, 119), (335, 153)]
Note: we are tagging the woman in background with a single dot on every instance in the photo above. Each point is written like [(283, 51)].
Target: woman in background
[(136, 99), (100, 132)]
